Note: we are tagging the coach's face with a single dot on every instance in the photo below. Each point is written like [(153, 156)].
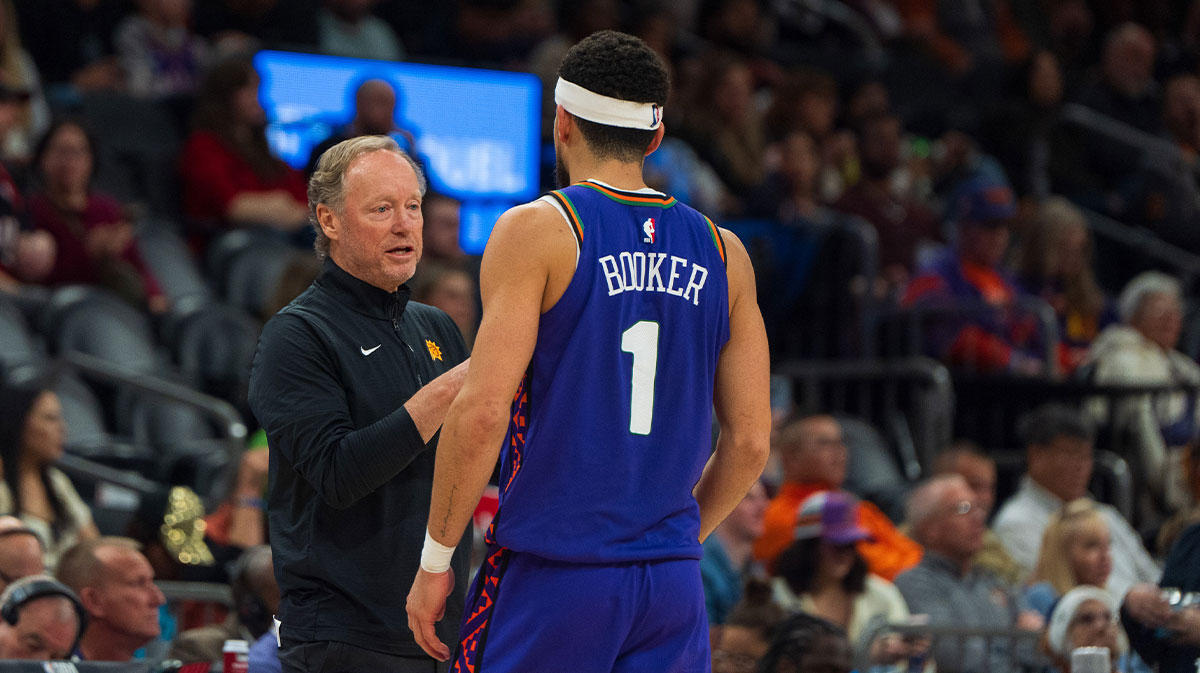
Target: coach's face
[(377, 235)]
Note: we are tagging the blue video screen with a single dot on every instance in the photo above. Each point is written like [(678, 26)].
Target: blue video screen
[(476, 131)]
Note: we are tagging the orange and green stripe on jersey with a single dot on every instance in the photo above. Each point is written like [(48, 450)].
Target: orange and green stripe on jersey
[(716, 238), (573, 218), (632, 198)]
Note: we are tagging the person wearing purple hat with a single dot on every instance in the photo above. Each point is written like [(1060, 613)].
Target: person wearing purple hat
[(980, 335), (821, 573)]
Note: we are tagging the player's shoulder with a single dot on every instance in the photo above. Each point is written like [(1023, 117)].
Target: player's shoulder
[(530, 226)]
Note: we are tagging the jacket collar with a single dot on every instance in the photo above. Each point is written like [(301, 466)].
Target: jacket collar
[(361, 295)]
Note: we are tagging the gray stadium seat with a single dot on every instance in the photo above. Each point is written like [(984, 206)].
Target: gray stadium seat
[(18, 347), (96, 322), (213, 347), (168, 257), (253, 274)]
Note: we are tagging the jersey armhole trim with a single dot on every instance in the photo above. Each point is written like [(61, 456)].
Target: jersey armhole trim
[(718, 241), (568, 210), (557, 204)]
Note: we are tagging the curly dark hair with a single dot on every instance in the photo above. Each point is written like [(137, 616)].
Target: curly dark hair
[(794, 639), (797, 565), (621, 66)]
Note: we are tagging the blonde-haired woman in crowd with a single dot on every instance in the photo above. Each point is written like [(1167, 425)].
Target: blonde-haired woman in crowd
[(1076, 551)]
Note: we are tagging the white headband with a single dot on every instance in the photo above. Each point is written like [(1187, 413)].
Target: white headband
[(1065, 610), (605, 110)]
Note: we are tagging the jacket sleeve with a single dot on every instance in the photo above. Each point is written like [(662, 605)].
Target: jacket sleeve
[(298, 397)]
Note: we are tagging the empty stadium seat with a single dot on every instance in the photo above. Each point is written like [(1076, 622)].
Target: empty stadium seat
[(253, 273), (94, 321), (18, 346), (213, 347), (168, 257)]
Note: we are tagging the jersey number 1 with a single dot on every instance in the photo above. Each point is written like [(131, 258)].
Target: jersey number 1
[(642, 341)]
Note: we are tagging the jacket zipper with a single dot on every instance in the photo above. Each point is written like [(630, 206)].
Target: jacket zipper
[(412, 361)]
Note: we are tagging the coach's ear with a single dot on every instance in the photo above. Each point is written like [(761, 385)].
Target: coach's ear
[(658, 138), (328, 221)]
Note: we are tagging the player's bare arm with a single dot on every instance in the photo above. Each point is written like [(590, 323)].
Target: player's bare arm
[(741, 397), (526, 267)]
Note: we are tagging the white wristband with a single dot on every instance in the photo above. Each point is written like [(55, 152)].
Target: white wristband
[(435, 556)]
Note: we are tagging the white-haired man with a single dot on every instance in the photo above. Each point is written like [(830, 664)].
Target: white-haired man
[(949, 523)]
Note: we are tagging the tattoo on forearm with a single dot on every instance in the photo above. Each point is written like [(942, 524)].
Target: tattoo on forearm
[(449, 507)]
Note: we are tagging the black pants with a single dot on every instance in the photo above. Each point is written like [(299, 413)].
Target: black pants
[(333, 657)]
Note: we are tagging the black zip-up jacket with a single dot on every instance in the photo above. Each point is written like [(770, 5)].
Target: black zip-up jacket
[(350, 478)]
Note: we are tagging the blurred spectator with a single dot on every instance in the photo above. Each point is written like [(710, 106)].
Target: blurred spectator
[(1181, 112), (230, 177), (1022, 130), (944, 586), (1127, 93), (967, 37), (72, 42), (241, 25), (240, 521), (45, 623), (26, 254), (298, 274), (576, 20), (500, 32), (21, 552), (91, 230), (1058, 468), (374, 115), (727, 562), (1165, 635), (1141, 351), (743, 639), (454, 291), (805, 643), (255, 599), (31, 439), (978, 330), (440, 231), (348, 28), (968, 461), (24, 114), (1076, 550), (785, 251), (1173, 527), (807, 101), (115, 583), (735, 25), (813, 456), (1126, 90), (1086, 617), (159, 53), (1054, 262), (822, 574), (902, 224), (723, 126)]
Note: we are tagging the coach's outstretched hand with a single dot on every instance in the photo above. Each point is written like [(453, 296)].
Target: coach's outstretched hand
[(426, 606)]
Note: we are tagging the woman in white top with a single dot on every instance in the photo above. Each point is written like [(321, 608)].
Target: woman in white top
[(31, 440), (822, 574)]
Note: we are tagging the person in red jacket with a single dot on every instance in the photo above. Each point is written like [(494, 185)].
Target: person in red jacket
[(92, 233), (230, 177)]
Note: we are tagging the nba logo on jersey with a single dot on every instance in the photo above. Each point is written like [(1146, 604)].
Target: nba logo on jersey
[(648, 227)]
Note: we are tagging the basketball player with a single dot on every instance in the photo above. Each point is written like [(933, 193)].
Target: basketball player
[(615, 318)]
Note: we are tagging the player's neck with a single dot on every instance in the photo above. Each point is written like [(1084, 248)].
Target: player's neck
[(618, 174)]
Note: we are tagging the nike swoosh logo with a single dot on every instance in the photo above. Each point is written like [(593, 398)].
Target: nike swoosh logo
[(368, 351)]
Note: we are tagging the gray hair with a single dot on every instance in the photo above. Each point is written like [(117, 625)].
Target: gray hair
[(328, 182), (1140, 288), (927, 499)]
